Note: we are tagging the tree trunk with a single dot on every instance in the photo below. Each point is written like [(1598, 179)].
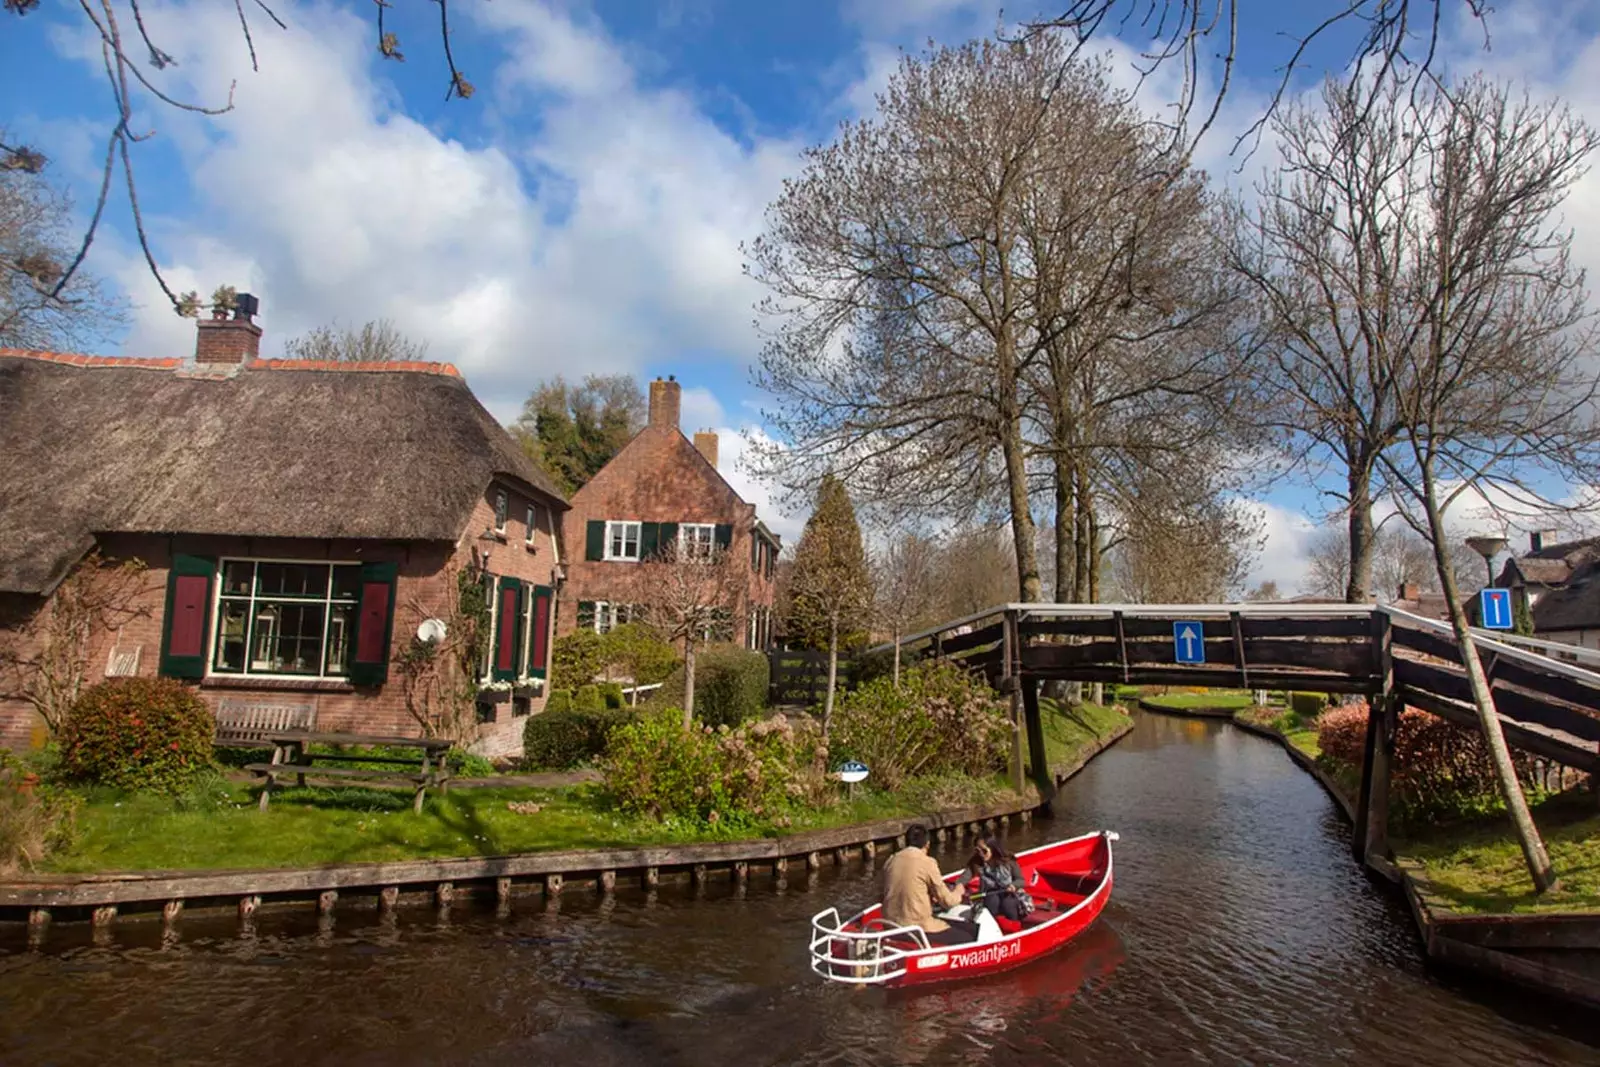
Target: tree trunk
[(897, 657), (1358, 586), (1065, 533), (1082, 530), (833, 674), (1011, 447), (688, 683), (1533, 850)]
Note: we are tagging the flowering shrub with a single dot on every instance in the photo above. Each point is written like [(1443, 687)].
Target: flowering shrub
[(1440, 767), (137, 733), (655, 767), (941, 720)]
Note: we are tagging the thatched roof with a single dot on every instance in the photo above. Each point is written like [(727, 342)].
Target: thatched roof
[(276, 448)]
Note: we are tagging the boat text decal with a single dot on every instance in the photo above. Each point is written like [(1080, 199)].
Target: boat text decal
[(990, 954)]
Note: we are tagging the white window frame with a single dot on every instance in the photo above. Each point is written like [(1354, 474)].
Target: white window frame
[(502, 510), (486, 664), (624, 524), (689, 549), (607, 610), (532, 523), (214, 631)]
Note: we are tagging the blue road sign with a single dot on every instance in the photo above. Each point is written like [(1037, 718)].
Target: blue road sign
[(1494, 605), (852, 771), (1189, 641)]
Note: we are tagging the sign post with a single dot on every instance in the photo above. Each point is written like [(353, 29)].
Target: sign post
[(1494, 608), (1189, 641), (851, 772)]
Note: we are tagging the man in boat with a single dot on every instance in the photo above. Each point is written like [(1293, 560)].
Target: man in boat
[(912, 887)]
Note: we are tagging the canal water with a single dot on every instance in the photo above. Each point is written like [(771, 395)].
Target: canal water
[(1239, 932)]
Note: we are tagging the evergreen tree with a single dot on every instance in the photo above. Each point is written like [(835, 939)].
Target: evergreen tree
[(830, 588), (574, 430)]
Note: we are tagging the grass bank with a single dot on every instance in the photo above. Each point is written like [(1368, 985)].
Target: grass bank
[(1473, 866), (1220, 699), (219, 826)]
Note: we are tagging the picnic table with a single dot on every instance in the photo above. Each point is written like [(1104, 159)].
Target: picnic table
[(291, 754)]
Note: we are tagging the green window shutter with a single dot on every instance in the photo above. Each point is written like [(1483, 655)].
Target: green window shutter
[(649, 532), (668, 534), (507, 630), (723, 535), (185, 625), (585, 614), (374, 624), (539, 647), (596, 541)]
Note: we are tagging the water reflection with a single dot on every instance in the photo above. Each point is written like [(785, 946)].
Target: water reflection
[(1238, 932)]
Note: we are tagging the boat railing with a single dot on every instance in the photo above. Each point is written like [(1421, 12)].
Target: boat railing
[(868, 956)]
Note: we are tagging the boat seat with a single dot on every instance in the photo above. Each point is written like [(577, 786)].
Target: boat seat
[(1075, 884)]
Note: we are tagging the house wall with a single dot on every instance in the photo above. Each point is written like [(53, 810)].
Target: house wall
[(423, 589), (658, 477), (1581, 638)]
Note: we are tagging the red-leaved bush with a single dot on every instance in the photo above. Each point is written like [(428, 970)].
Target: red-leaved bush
[(137, 733), (1438, 766)]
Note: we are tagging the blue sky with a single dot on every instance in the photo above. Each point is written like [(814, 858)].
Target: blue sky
[(583, 211)]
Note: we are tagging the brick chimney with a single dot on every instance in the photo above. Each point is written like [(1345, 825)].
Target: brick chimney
[(666, 399), (1410, 591), (705, 442), (225, 340)]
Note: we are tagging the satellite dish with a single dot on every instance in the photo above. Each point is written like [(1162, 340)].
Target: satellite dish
[(431, 632)]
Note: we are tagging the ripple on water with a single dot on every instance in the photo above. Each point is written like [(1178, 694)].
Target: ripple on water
[(1239, 932)]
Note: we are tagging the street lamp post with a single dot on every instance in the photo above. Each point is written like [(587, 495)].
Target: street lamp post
[(1488, 547)]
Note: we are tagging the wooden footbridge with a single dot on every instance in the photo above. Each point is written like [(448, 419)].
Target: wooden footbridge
[(1548, 707)]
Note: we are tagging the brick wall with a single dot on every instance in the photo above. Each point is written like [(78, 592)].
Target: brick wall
[(422, 590), (658, 477)]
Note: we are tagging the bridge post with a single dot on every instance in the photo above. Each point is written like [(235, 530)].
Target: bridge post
[(1011, 685), (1040, 759), (1370, 836)]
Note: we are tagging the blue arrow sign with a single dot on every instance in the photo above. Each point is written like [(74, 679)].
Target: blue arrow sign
[(1494, 606), (1189, 641)]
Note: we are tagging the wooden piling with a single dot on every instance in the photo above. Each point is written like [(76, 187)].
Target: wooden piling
[(38, 918), (248, 906), (697, 875), (607, 882), (388, 897), (170, 911), (502, 889), (741, 872), (444, 893), (652, 877), (813, 861), (552, 885), (326, 901), (841, 856)]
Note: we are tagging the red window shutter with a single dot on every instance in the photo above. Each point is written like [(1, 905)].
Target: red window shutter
[(506, 654), (374, 624), (183, 651), (539, 658)]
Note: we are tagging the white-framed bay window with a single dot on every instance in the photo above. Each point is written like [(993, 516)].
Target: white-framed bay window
[(622, 539), (285, 617), (696, 540)]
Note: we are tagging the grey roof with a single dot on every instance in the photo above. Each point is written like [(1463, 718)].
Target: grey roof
[(1572, 606), (273, 449)]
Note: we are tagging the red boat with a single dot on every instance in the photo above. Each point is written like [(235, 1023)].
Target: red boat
[(1069, 882)]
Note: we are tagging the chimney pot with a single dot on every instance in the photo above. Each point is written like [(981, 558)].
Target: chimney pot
[(666, 401), (223, 341)]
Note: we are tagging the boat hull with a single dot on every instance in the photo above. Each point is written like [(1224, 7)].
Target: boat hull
[(1069, 880)]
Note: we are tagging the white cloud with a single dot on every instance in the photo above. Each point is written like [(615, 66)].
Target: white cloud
[(1283, 555), (320, 196)]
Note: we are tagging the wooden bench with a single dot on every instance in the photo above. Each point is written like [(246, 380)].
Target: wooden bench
[(251, 721), (291, 755)]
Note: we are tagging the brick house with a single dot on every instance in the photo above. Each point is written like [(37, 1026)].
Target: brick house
[(299, 521), (1558, 584), (662, 488)]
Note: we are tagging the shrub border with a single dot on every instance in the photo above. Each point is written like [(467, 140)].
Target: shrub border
[(100, 897)]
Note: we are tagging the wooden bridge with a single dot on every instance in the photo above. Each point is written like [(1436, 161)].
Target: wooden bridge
[(1548, 707)]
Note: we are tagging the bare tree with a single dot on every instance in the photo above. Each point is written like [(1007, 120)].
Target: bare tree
[(44, 659), (904, 578), (1195, 546), (1472, 319), (690, 595), (1400, 556), (377, 341), (35, 250)]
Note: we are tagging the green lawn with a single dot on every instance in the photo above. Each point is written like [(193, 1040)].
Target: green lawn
[(1069, 732), (1477, 867), (1214, 698), (311, 826), (1300, 732)]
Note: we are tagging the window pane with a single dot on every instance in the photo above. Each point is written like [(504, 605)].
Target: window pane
[(500, 505), (236, 577), (292, 579), (287, 638), (231, 631), (347, 583), (530, 524), (341, 625)]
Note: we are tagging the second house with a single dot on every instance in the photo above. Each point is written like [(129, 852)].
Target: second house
[(659, 489)]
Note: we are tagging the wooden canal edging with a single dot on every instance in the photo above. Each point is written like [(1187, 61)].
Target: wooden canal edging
[(1483, 944), (102, 898)]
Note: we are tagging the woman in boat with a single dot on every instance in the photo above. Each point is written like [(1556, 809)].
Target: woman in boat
[(1000, 880)]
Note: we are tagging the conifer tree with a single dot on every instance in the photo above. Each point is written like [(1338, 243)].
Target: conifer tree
[(830, 589)]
